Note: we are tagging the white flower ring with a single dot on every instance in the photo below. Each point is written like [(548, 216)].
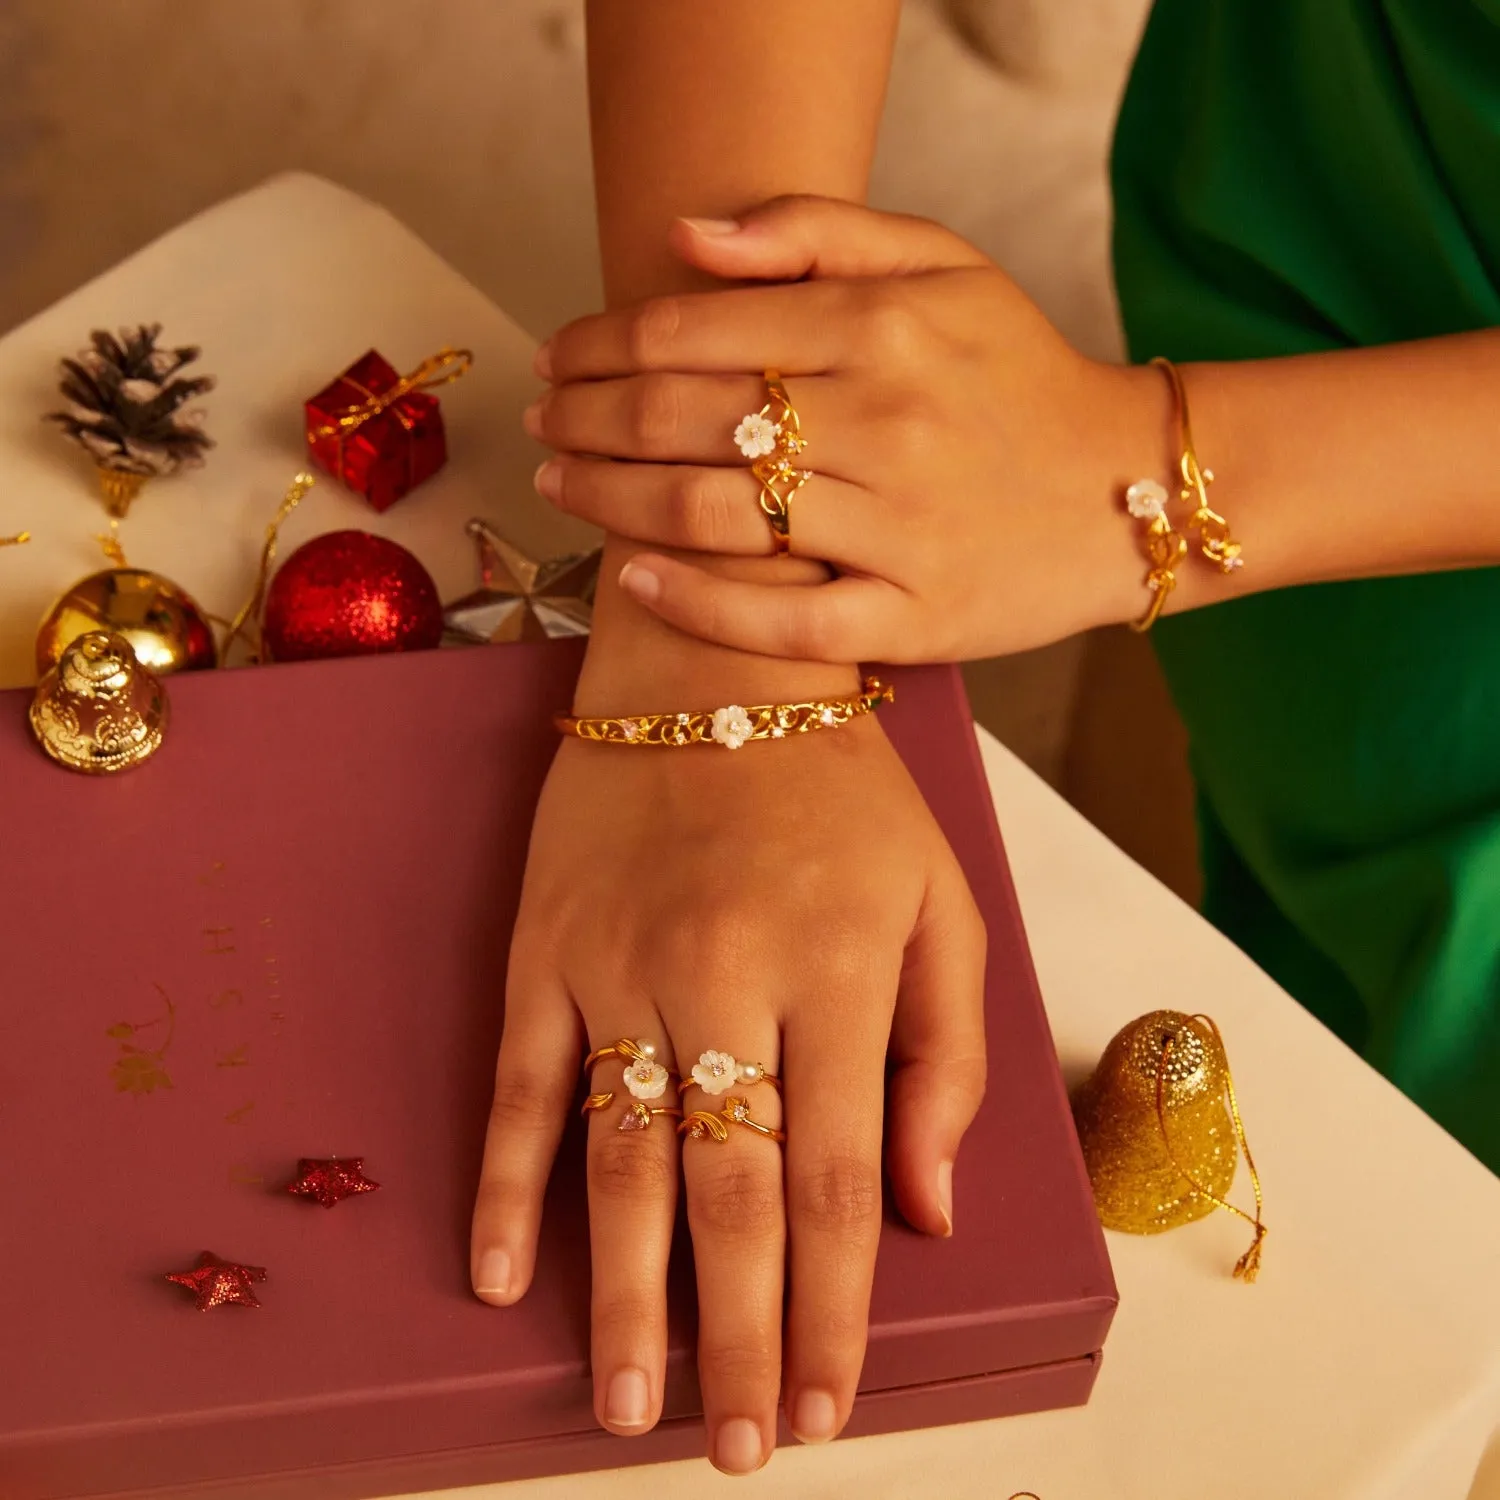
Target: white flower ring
[(714, 1072), (756, 435), (646, 1078)]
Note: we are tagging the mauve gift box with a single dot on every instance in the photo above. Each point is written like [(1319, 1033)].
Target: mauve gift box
[(296, 915)]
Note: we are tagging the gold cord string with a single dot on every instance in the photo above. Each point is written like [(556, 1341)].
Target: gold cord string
[(250, 610), (439, 369), (19, 539), (1247, 1267)]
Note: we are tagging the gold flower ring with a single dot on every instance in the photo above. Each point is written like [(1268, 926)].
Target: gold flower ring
[(705, 1124), (645, 1078), (771, 439)]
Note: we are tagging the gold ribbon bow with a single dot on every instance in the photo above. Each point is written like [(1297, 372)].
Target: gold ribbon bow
[(442, 368)]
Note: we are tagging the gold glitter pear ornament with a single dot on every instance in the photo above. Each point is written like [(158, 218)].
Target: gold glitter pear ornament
[(1161, 1130), (99, 710), (165, 628)]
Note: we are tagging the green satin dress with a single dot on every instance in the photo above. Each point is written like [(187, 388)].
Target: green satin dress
[(1295, 175)]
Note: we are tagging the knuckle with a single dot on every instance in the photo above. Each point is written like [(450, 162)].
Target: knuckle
[(840, 1193), (656, 412), (893, 328), (522, 1103), (739, 1366), (651, 332), (739, 1196), (622, 1316), (708, 946), (703, 513), (909, 432), (627, 1166)]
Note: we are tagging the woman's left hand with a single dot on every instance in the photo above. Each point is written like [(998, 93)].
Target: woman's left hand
[(968, 464)]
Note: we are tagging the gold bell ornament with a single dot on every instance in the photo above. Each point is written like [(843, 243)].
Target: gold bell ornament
[(166, 629), (99, 710), (1161, 1131)]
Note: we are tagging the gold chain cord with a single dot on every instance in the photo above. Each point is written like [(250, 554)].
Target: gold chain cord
[(765, 721)]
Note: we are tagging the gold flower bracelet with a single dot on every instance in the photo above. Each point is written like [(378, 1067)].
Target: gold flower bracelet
[(1162, 543), (732, 726)]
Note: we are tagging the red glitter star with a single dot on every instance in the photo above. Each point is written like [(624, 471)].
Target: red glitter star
[(215, 1282), (329, 1181)]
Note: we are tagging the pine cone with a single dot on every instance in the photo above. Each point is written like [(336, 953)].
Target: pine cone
[(124, 403)]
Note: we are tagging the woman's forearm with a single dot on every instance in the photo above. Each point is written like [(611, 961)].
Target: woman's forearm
[(1353, 464), (709, 107), (705, 108)]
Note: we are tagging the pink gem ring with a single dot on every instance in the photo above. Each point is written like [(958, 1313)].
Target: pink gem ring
[(705, 1124), (718, 1072), (637, 1116)]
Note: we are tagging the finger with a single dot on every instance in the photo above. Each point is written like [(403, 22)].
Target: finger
[(799, 330), (789, 238), (937, 1046), (737, 1215), (691, 419), (711, 509), (632, 1178), (834, 1103), (847, 620), (535, 1078)]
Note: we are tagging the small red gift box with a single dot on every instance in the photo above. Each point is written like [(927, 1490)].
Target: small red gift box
[(380, 432)]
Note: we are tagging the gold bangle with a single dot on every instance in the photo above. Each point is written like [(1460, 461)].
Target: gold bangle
[(1146, 500), (732, 726)]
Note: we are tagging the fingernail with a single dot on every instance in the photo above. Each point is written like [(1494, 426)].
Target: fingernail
[(737, 1448), (639, 582), (542, 365), (814, 1417), (493, 1279), (548, 479), (531, 418), (627, 1402), (945, 1193), (713, 226)]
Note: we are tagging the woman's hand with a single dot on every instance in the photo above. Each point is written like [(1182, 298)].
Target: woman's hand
[(793, 904), (968, 463)]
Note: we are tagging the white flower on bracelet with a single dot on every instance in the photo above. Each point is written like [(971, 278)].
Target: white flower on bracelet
[(646, 1078), (1146, 500), (714, 1072), (732, 726), (756, 435)]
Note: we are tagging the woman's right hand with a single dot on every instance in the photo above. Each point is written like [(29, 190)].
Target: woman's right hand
[(969, 464)]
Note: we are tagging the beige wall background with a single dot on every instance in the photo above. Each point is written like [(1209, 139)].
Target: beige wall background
[(468, 119)]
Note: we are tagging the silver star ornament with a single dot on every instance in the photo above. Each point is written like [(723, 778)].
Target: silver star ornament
[(522, 598)]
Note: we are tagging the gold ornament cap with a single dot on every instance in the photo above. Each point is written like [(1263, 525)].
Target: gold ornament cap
[(99, 710)]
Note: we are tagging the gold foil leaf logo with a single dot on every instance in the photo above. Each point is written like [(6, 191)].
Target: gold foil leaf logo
[(142, 1070)]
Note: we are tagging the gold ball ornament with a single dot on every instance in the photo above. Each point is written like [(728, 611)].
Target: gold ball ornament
[(99, 711), (1160, 1129), (165, 628)]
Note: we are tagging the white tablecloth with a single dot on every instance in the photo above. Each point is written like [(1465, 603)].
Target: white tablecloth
[(1365, 1363)]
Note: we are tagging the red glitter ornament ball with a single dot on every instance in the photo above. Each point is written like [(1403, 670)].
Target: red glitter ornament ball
[(348, 593)]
